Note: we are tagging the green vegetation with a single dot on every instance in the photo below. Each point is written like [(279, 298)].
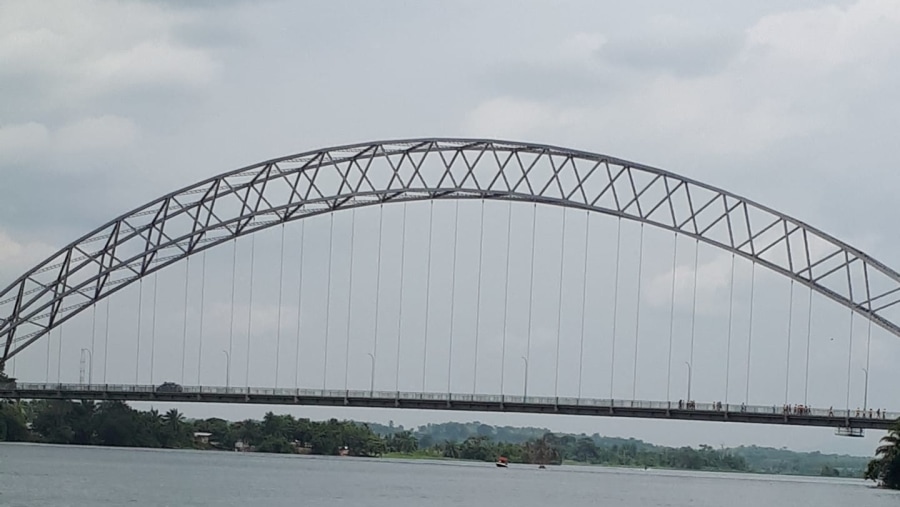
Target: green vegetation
[(599, 450), (4, 378), (557, 449), (117, 424), (885, 468), (784, 462)]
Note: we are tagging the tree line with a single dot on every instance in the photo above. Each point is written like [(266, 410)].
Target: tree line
[(634, 452), (558, 449), (114, 423), (118, 424)]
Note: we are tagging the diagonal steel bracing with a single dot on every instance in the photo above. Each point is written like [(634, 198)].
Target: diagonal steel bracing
[(244, 201)]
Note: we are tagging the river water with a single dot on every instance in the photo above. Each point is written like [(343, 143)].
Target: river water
[(44, 476)]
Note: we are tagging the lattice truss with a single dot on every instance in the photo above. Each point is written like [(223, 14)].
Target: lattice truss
[(242, 202)]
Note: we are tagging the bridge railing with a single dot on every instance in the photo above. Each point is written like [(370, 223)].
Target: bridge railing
[(99, 389)]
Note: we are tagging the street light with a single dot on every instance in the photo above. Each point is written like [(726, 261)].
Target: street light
[(525, 391), (227, 368), (866, 391), (372, 379), (91, 366), (689, 380)]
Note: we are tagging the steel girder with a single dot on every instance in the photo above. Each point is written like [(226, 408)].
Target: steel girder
[(244, 201)]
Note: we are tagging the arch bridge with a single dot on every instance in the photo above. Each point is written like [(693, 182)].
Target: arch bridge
[(242, 202)]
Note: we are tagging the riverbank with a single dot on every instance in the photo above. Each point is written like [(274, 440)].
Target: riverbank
[(116, 424)]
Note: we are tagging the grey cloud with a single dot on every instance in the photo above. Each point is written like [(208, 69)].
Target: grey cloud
[(210, 35), (217, 26), (555, 81), (686, 55), (53, 205), (215, 5)]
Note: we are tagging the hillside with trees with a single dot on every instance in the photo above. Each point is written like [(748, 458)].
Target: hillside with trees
[(603, 450), (117, 424)]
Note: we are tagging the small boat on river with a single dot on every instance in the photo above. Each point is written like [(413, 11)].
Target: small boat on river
[(503, 462)]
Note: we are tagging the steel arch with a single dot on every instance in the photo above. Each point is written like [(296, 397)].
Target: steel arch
[(290, 188)]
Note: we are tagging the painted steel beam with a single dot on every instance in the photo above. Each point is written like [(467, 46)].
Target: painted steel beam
[(214, 211)]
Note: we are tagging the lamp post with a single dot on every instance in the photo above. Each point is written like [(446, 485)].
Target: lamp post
[(689, 380), (525, 390), (91, 364), (227, 368), (866, 390), (372, 379)]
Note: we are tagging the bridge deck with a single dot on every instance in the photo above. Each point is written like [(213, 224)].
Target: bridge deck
[(464, 402)]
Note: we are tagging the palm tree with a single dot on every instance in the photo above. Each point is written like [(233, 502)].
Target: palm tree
[(173, 425), (885, 468), (405, 441), (450, 449), (174, 420), (154, 418)]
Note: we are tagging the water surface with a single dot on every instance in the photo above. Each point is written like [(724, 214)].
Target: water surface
[(57, 476)]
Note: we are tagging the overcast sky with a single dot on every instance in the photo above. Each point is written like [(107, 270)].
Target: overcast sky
[(107, 105)]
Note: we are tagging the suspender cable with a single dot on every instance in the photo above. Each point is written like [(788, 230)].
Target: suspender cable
[(106, 342), (637, 317), (400, 296), (278, 312), (868, 344), (250, 306), (202, 308), (187, 278), (728, 350), (808, 337), (849, 359), (349, 300), (694, 307), (672, 318), (137, 357), (231, 327), (750, 332), (47, 369), (849, 337), (93, 340), (505, 299), (427, 293), (478, 297), (452, 293), (299, 304), (153, 324), (612, 355), (562, 263), (530, 293), (328, 303), (584, 284), (377, 291), (59, 356), (787, 369)]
